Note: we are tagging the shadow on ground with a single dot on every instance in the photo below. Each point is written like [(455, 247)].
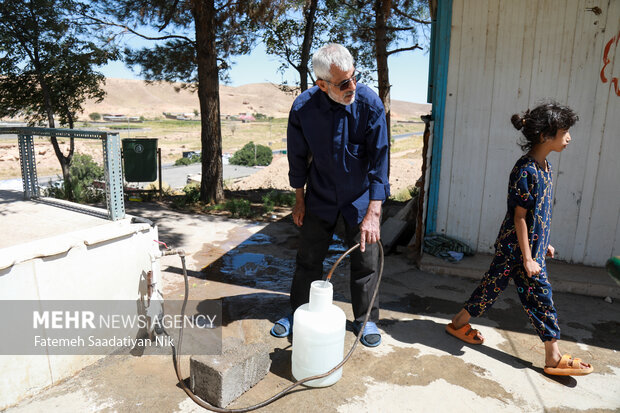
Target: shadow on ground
[(265, 262)]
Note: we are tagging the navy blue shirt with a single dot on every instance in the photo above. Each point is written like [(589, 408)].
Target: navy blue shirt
[(340, 152)]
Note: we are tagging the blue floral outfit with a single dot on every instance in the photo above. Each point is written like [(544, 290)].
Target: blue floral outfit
[(530, 187)]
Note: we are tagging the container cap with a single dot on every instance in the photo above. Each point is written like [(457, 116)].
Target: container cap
[(321, 295)]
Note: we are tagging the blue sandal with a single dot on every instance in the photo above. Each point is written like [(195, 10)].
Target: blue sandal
[(283, 327), (371, 336)]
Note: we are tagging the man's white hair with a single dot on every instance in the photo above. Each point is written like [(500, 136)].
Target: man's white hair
[(328, 55)]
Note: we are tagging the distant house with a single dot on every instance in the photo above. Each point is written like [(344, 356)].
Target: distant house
[(491, 59), (108, 117), (179, 116), (246, 117)]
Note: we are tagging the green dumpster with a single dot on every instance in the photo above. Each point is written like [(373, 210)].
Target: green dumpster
[(140, 160)]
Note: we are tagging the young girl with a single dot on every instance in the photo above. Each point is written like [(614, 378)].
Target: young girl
[(523, 240)]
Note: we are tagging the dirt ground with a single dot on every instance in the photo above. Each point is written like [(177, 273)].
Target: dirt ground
[(47, 163), (405, 166), (405, 169)]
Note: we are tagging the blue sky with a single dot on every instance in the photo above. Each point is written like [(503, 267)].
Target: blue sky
[(408, 72)]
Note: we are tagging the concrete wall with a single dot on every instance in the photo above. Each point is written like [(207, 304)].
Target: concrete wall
[(107, 262), (505, 56)]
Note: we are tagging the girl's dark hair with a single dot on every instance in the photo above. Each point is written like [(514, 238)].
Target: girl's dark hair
[(542, 123)]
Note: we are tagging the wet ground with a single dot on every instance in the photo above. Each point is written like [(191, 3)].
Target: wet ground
[(417, 368)]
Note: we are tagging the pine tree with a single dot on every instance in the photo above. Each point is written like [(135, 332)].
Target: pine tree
[(198, 38)]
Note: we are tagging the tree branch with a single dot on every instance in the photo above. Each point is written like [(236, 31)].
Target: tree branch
[(398, 29), (356, 9), (130, 30), (290, 62), (404, 49), (408, 16), (225, 6)]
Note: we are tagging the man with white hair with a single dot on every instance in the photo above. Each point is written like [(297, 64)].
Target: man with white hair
[(338, 150)]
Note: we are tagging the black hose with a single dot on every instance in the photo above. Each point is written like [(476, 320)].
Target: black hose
[(202, 403)]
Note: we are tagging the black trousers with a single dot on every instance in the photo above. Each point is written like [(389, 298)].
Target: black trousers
[(316, 235)]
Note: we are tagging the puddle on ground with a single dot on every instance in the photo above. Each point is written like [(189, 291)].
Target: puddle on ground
[(337, 246), (252, 270), (257, 239), (237, 238), (245, 266), (336, 249)]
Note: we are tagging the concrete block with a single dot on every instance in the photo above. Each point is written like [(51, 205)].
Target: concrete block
[(221, 379)]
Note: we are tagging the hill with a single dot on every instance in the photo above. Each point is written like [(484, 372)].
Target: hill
[(136, 98)]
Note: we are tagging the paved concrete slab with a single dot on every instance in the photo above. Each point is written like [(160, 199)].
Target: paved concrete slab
[(417, 368), (25, 221), (564, 277)]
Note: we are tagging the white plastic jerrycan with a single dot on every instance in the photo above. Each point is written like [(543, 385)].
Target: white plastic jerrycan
[(318, 336)]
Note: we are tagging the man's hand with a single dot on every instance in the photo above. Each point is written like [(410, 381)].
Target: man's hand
[(299, 210), (531, 268), (370, 228), (550, 252)]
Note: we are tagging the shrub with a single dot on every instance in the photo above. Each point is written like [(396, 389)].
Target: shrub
[(268, 203), (284, 198), (182, 161), (192, 193), (252, 155), (83, 171), (55, 190), (239, 208), (94, 116), (187, 161), (277, 198)]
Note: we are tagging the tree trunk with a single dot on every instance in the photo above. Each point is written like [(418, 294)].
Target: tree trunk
[(309, 15), (211, 189), (64, 160), (382, 9)]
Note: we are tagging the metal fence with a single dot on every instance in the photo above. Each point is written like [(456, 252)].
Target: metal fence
[(111, 162)]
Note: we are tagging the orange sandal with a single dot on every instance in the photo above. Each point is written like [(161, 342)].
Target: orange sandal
[(566, 367), (465, 333)]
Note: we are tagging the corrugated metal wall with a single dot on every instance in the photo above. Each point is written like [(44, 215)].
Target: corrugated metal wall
[(505, 56)]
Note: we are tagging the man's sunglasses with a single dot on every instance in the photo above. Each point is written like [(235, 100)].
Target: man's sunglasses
[(344, 85)]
